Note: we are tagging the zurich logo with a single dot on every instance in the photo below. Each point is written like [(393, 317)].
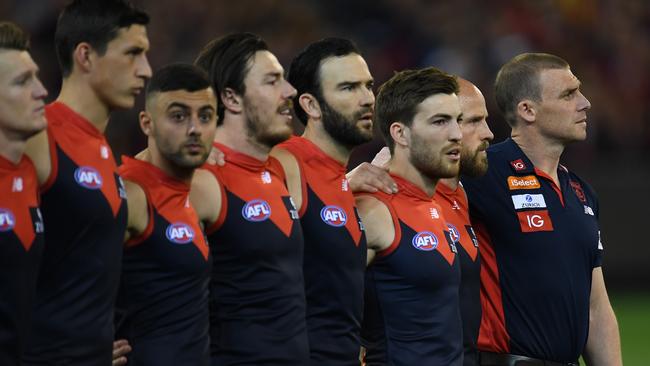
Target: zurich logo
[(529, 198), (333, 216), (425, 240), (454, 233), (88, 177), (256, 210), (179, 233), (7, 220)]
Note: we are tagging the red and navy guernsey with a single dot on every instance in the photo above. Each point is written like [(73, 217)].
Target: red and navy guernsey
[(257, 293), (21, 248), (334, 259), (412, 295), (539, 244), (166, 271), (83, 204), (456, 210)]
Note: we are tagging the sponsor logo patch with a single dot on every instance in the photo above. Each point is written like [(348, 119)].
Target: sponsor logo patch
[(522, 201), (518, 165), (256, 210), (179, 233), (7, 220), (531, 221), (333, 216), (588, 210), (88, 177), (527, 182), (425, 241)]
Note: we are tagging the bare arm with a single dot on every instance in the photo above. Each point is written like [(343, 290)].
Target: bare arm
[(292, 172), (603, 342), (138, 217), (378, 224), (205, 197), (38, 150)]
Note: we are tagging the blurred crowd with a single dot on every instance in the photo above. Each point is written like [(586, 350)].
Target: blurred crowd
[(605, 41)]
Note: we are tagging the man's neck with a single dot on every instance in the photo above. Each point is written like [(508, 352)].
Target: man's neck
[(11, 150), (78, 96), (317, 135), (400, 165), (544, 154), (234, 134), (452, 183), (152, 157)]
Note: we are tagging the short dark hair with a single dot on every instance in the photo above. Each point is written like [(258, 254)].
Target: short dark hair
[(94, 21), (227, 61), (518, 79), (304, 72), (12, 37), (178, 77), (400, 96)]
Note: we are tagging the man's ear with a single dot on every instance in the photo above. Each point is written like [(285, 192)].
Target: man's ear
[(232, 101), (527, 110), (83, 57), (310, 105), (400, 133), (146, 122)]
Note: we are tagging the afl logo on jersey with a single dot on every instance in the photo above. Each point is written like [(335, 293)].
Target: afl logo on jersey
[(333, 216), (453, 233), (179, 233), (88, 177), (256, 210), (425, 240), (7, 220)]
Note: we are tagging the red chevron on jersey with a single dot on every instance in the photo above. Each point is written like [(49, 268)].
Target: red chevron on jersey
[(88, 150), (19, 186), (326, 177), (244, 178), (169, 198)]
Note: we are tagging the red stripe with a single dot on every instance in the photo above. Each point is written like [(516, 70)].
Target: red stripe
[(493, 335)]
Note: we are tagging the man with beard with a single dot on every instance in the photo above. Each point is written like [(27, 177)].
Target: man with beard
[(22, 98), (164, 288), (544, 297), (257, 295), (415, 276), (451, 197), (101, 48), (336, 103)]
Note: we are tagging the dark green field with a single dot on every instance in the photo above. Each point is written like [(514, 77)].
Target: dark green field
[(633, 312)]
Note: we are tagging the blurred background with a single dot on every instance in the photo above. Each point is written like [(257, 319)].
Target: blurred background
[(607, 42)]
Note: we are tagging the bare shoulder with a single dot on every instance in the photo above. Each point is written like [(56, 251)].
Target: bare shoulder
[(377, 220), (205, 196), (38, 150), (291, 171)]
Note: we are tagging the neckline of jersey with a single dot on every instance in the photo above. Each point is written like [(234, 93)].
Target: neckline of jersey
[(156, 173), (70, 116)]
